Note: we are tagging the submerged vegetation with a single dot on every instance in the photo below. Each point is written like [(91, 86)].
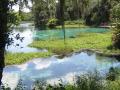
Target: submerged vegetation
[(98, 41)]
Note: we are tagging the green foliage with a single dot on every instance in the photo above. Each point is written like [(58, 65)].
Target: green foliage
[(99, 14), (115, 13), (116, 31), (113, 74), (13, 18), (18, 58), (26, 16), (95, 41), (20, 85), (75, 22), (89, 81), (73, 10), (52, 22), (116, 38), (40, 13)]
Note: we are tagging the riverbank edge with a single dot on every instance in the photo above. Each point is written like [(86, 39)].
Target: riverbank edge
[(98, 52), (112, 55)]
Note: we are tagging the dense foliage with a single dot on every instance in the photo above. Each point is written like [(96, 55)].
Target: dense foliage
[(91, 11), (116, 21), (26, 16), (52, 22), (100, 14), (88, 81)]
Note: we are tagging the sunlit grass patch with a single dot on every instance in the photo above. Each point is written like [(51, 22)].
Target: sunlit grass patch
[(96, 41), (18, 58)]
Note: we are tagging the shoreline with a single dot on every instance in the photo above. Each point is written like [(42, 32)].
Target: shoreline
[(112, 55)]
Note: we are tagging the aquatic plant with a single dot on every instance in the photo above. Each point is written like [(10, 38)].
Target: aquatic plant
[(18, 58), (96, 41)]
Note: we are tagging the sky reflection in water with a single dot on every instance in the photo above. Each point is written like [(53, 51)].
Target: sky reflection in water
[(53, 68)]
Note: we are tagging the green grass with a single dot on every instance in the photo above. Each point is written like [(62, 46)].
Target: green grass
[(97, 41), (18, 58), (72, 26)]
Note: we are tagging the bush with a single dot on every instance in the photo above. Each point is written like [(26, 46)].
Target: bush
[(116, 19), (52, 22), (13, 18), (116, 37), (74, 22)]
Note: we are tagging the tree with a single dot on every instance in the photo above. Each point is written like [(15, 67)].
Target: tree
[(52, 8), (100, 13), (5, 6), (116, 20), (3, 32), (62, 4), (40, 10)]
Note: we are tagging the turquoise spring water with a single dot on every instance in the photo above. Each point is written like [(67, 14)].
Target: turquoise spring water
[(69, 33)]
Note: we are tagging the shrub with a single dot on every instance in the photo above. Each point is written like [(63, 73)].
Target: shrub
[(116, 19), (74, 22), (52, 22), (116, 37)]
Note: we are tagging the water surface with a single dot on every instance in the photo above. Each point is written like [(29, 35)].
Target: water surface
[(69, 32), (29, 33), (53, 68)]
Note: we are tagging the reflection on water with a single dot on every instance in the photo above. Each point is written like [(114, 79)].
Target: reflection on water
[(53, 68), (26, 32)]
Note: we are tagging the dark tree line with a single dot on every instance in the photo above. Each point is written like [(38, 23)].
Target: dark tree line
[(91, 11)]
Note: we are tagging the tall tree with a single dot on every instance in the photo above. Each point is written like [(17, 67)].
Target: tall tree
[(52, 8), (40, 10), (62, 4), (5, 6), (116, 20), (3, 32), (99, 14)]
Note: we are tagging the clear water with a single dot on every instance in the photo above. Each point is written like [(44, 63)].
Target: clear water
[(30, 34), (25, 31), (52, 69), (69, 32)]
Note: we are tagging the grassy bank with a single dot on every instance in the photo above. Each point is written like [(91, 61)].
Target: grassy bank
[(18, 58), (72, 26), (97, 41)]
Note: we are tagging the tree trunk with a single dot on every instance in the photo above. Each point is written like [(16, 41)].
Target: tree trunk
[(62, 3), (3, 33)]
